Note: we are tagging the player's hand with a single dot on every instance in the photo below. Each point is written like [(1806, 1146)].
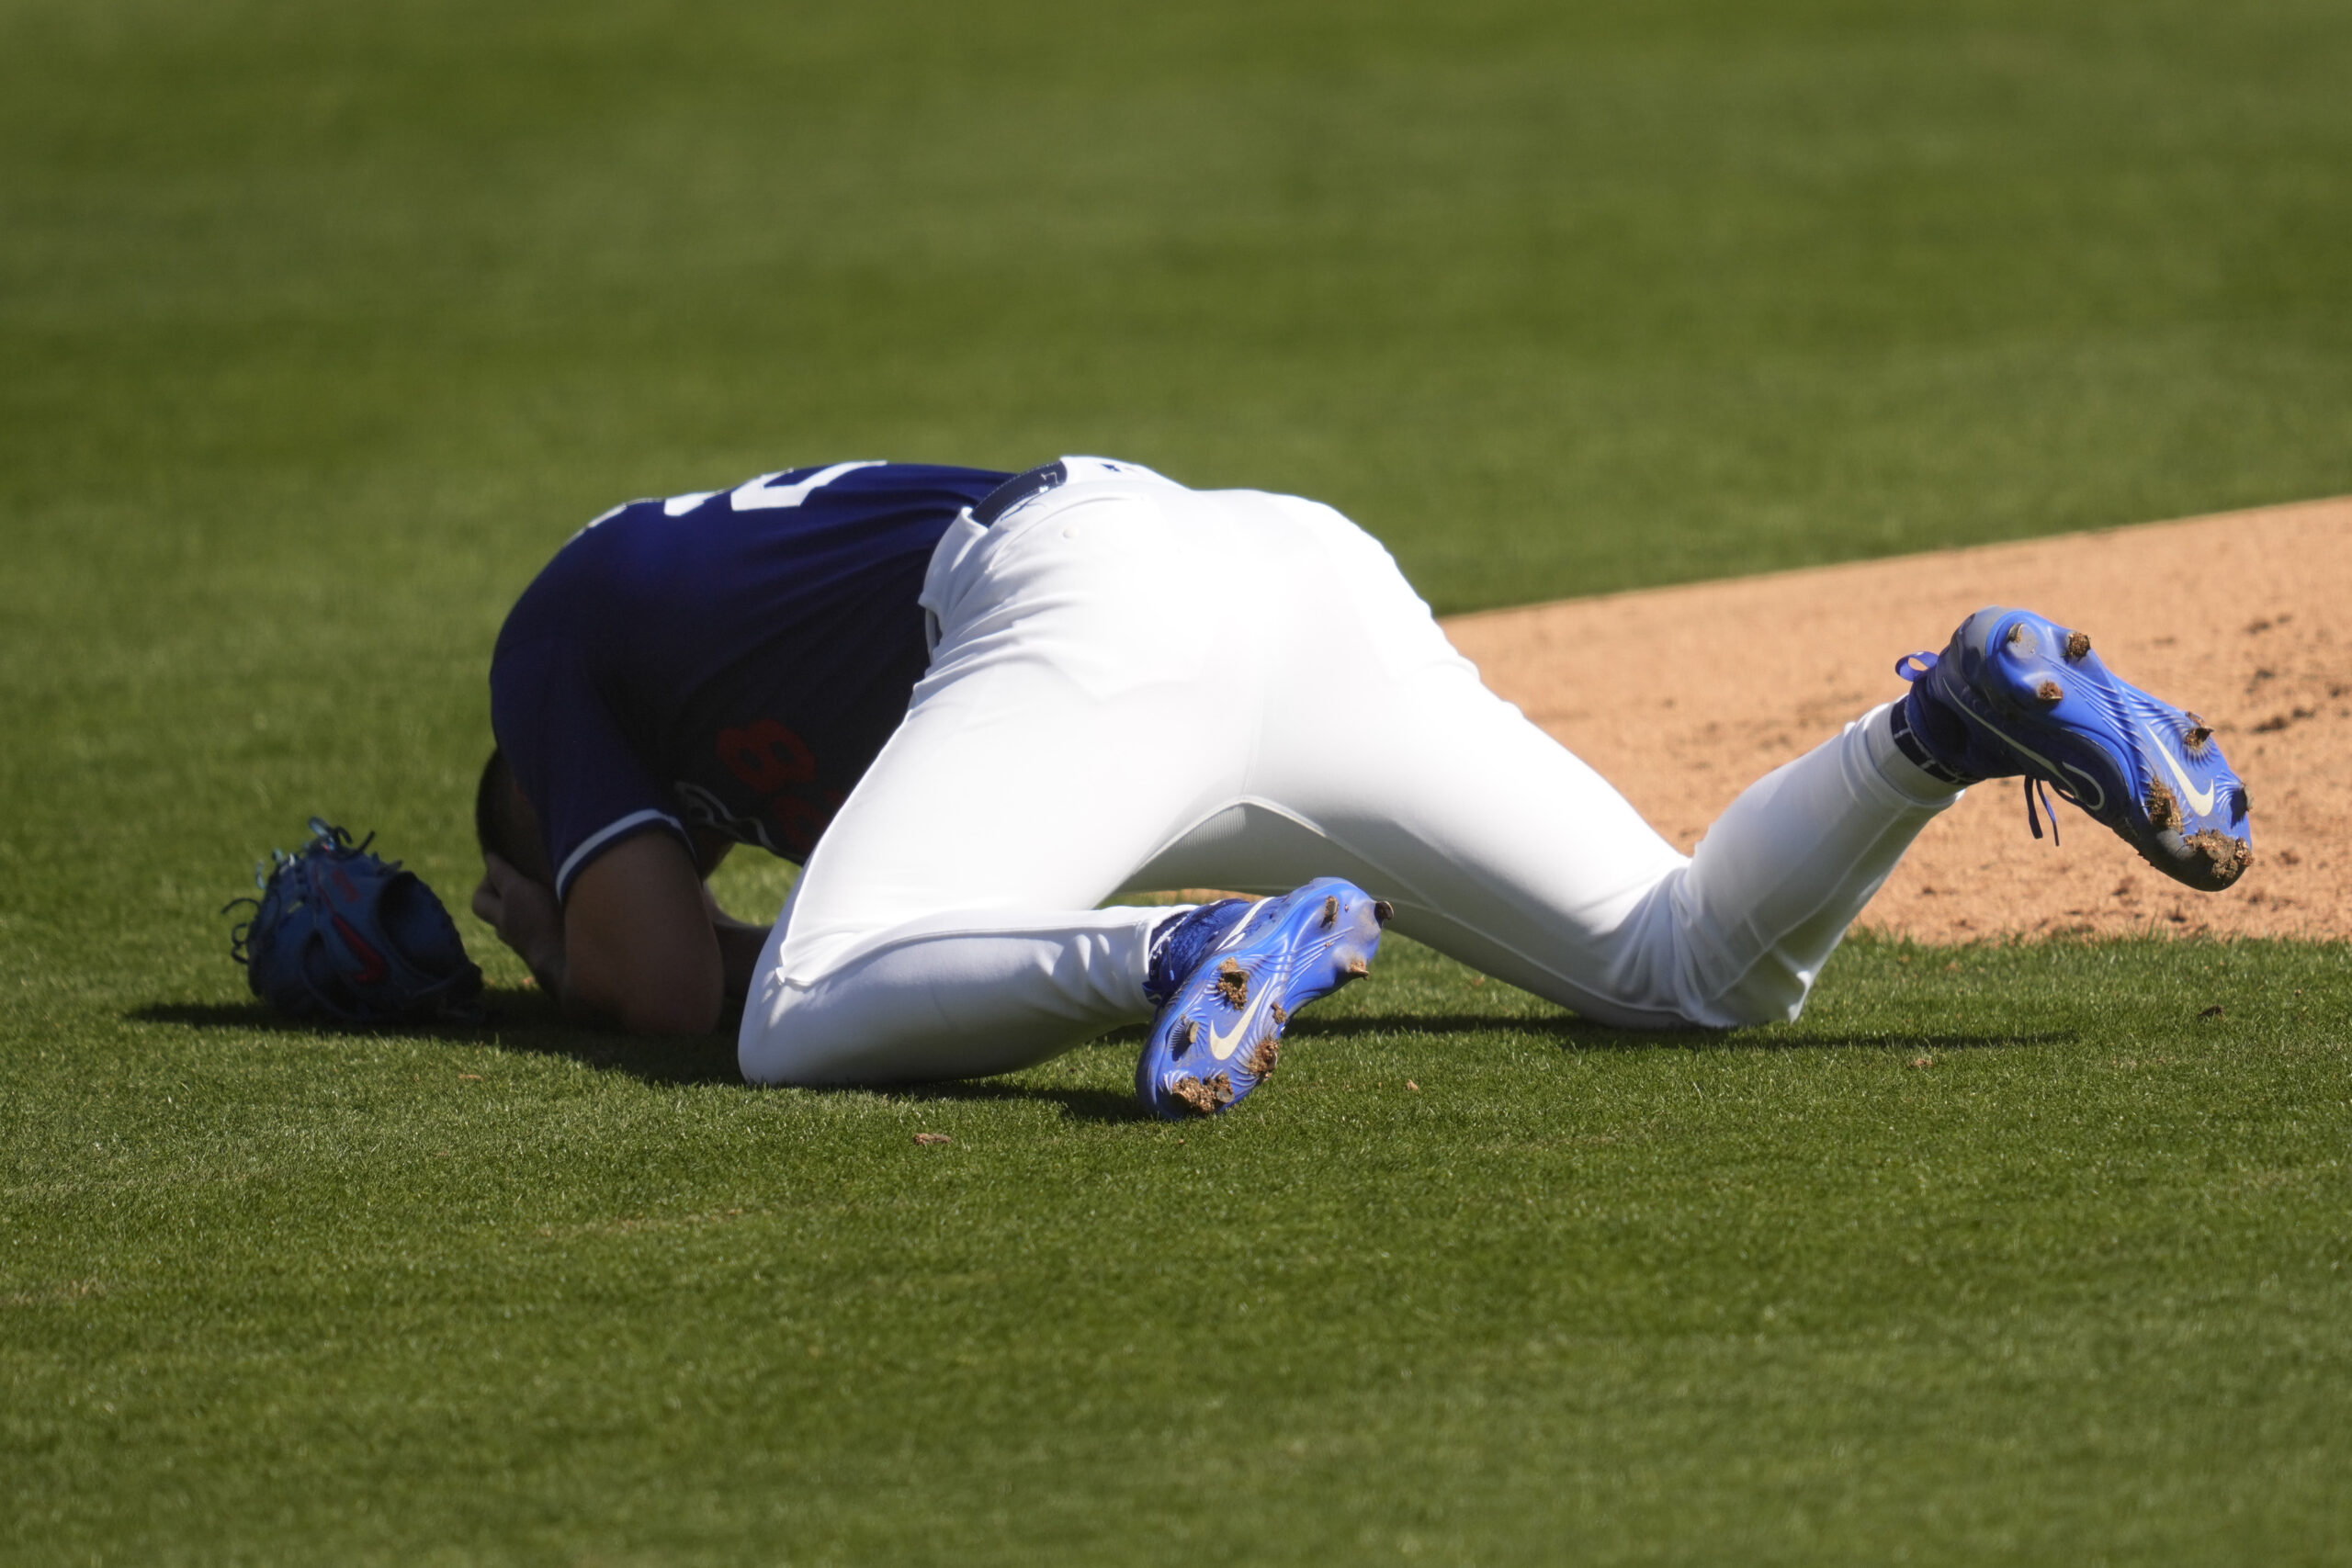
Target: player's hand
[(525, 914)]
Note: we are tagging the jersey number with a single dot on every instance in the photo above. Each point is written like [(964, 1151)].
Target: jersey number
[(764, 494)]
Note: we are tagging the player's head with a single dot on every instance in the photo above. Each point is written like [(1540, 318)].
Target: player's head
[(504, 823)]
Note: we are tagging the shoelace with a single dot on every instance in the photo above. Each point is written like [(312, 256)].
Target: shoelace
[(2033, 784), (1911, 667)]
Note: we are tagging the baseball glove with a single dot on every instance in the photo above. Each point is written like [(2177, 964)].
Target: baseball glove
[(339, 934)]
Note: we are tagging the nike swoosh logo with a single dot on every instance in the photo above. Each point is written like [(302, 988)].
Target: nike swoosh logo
[(1222, 1045), (2201, 799)]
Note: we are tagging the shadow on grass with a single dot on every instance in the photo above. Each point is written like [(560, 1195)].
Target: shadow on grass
[(1078, 1104), (524, 1023), (1572, 1032), (255, 1018), (521, 1021)]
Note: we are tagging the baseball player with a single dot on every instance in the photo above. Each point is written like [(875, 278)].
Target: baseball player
[(976, 706)]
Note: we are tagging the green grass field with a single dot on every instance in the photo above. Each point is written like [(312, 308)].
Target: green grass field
[(323, 325)]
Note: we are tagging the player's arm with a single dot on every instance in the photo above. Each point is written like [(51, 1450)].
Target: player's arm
[(640, 947), (633, 943)]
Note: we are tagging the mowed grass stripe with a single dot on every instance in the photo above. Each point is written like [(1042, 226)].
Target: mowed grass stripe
[(2001, 1258), (1557, 302)]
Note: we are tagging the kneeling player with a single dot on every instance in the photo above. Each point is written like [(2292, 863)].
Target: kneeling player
[(975, 706)]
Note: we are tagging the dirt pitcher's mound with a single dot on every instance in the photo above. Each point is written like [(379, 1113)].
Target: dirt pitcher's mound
[(1680, 696)]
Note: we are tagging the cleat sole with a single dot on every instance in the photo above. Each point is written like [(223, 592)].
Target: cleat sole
[(1220, 1034), (2145, 770)]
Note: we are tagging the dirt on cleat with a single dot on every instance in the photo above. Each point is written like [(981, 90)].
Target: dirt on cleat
[(2229, 856), (2152, 774), (1218, 1035), (1197, 1097)]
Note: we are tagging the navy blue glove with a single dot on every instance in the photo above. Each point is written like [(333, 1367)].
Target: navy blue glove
[(339, 934)]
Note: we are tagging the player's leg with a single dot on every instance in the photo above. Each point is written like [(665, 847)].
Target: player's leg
[(1072, 721), (1501, 847), (1781, 875)]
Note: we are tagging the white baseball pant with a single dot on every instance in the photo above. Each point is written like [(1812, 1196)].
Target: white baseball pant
[(1137, 686)]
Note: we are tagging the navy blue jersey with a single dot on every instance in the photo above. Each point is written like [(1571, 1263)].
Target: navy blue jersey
[(727, 659)]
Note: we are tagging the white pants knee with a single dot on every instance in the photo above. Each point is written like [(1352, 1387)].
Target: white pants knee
[(1139, 685)]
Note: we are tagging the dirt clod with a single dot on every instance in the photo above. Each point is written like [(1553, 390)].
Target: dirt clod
[(1232, 984), (1330, 911), (1197, 1097), (932, 1138), (2049, 692), (2164, 809), (2077, 645), (1281, 1015), (2199, 737), (1262, 1060), (2216, 1011), (2229, 856)]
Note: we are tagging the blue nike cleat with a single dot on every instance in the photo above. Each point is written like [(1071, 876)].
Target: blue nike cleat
[(2019, 695), (1218, 1032)]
